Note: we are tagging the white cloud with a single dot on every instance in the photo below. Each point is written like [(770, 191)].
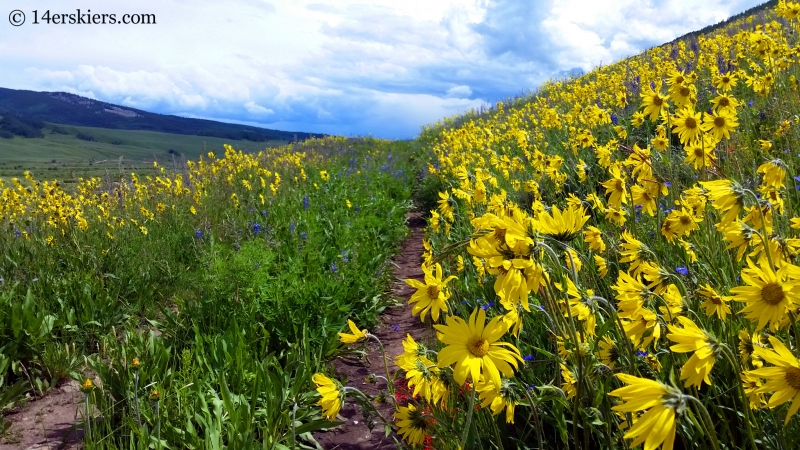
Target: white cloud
[(257, 109), (461, 91), (337, 66)]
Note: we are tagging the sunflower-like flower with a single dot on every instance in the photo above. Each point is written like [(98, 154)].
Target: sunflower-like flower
[(412, 423), (783, 378), (498, 398), (774, 173), (691, 338), (724, 82), (645, 197), (594, 237), (720, 124), (724, 103), (700, 153), (474, 348), (687, 124), (431, 295), (631, 250), (446, 205), (653, 102), (725, 197), (421, 373), (747, 347), (681, 222), (602, 266), (656, 427), (609, 354), (615, 188), (713, 303), (357, 336), (562, 225), (769, 294), (330, 390)]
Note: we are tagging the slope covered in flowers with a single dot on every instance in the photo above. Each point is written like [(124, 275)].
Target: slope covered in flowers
[(613, 261)]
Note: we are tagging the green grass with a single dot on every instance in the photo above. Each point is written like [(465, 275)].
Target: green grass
[(111, 151)]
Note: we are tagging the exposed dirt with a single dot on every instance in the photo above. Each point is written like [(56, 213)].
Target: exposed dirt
[(47, 423), (393, 326)]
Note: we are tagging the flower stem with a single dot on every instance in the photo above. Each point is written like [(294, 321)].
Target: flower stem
[(465, 433), (389, 385), (707, 421)]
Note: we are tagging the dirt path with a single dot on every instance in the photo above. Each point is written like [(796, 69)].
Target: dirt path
[(47, 423), (393, 326)]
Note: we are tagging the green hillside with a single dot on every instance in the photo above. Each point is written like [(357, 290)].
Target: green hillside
[(61, 154), (71, 109)]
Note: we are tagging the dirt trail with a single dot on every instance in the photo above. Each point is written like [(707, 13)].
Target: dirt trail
[(392, 328), (47, 423)]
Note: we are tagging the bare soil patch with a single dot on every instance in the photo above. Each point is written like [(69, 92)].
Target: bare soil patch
[(48, 422), (393, 326)]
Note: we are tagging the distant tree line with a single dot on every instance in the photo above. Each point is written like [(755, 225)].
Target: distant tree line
[(11, 125)]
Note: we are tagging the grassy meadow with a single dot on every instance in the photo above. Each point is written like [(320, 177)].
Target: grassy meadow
[(110, 153), (610, 263)]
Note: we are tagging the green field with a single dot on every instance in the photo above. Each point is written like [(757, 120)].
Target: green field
[(62, 155)]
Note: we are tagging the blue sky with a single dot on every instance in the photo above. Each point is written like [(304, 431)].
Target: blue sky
[(380, 67)]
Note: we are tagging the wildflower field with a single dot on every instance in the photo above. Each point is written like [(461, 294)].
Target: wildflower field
[(611, 262), (199, 303)]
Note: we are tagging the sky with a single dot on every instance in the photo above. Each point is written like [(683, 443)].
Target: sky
[(348, 67)]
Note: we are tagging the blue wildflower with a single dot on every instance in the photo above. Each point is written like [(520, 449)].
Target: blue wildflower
[(291, 226), (682, 270), (528, 358), (256, 227), (334, 268), (198, 234), (303, 235), (641, 353), (306, 202)]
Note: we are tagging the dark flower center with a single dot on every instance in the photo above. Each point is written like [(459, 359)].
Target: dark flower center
[(478, 346), (792, 378), (772, 294)]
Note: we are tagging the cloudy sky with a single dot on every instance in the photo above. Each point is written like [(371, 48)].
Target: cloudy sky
[(349, 67)]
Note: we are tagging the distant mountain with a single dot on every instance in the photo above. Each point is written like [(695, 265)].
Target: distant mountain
[(71, 109)]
